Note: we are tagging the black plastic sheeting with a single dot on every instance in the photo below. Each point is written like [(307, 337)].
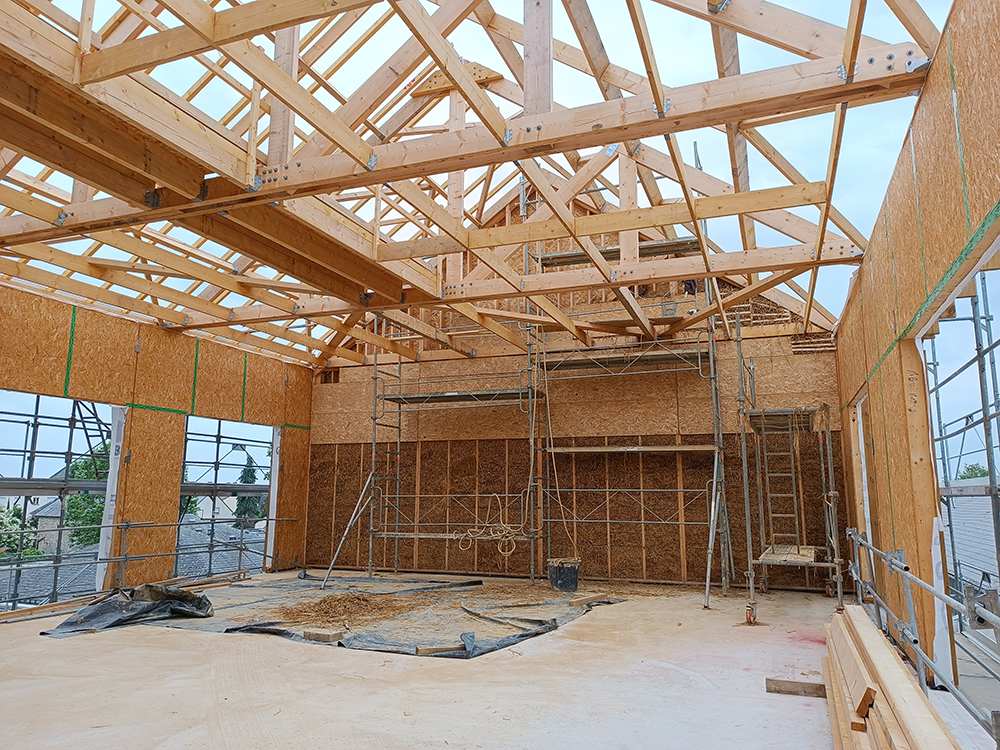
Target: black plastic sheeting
[(456, 614), (496, 626), (146, 603)]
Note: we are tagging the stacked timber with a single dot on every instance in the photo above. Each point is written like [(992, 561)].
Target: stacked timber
[(874, 700)]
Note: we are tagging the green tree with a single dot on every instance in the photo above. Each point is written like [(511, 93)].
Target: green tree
[(248, 507), (87, 510), (973, 471), (10, 522)]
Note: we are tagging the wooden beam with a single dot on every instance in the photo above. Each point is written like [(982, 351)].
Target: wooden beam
[(537, 57), (762, 260), (916, 22), (230, 25), (419, 23), (727, 60), (851, 45), (706, 104), (281, 127)]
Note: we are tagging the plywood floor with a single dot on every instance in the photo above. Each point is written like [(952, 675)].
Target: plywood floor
[(650, 672)]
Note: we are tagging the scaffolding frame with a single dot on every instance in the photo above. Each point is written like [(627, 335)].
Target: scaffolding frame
[(389, 514), (669, 356), (84, 432), (793, 423)]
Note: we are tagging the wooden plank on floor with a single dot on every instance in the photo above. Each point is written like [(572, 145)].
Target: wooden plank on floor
[(795, 687)]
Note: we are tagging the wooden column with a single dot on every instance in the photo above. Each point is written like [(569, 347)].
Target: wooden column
[(923, 477), (456, 188), (537, 56), (628, 199), (281, 141)]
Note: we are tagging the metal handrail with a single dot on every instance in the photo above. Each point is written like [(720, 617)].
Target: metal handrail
[(895, 563)]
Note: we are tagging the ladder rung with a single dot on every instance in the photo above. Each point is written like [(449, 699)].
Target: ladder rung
[(782, 515), (390, 426), (773, 474)]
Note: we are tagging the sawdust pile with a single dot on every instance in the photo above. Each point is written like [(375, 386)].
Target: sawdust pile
[(348, 609)]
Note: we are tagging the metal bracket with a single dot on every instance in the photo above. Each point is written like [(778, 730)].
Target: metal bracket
[(917, 64), (60, 219), (152, 199), (842, 72), (610, 151), (372, 161), (666, 108), (508, 134), (718, 7), (988, 600), (202, 194)]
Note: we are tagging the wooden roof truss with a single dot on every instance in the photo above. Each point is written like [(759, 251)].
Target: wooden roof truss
[(205, 166)]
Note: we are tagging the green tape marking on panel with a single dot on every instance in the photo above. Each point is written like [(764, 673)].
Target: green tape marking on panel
[(958, 133), (69, 353), (243, 406), (984, 227), (294, 427), (156, 408), (194, 381)]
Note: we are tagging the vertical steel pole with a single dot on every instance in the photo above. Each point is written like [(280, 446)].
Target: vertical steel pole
[(987, 427), (752, 599)]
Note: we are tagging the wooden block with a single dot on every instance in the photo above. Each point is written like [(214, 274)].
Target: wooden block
[(323, 635), (854, 719), (428, 650), (580, 601), (795, 687), (860, 685), (920, 723)]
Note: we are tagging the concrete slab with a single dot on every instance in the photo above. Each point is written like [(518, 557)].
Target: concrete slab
[(651, 672)]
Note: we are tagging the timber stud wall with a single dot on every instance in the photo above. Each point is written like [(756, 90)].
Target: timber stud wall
[(54, 349), (485, 450), (935, 228)]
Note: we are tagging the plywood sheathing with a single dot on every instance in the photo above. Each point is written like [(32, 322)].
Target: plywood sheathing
[(35, 333), (614, 547), (974, 33), (265, 379), (219, 385), (293, 492), (104, 358), (164, 374), (148, 492), (943, 192)]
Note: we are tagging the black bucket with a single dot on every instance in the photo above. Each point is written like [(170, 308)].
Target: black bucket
[(564, 573)]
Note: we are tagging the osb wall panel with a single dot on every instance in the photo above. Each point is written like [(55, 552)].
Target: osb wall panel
[(903, 227), (104, 358), (164, 373), (944, 191), (293, 492), (265, 378), (34, 343), (611, 510), (298, 396), (149, 488), (974, 32), (633, 405), (219, 382)]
